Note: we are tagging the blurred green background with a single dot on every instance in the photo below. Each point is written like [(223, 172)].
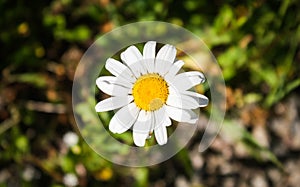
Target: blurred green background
[(255, 42)]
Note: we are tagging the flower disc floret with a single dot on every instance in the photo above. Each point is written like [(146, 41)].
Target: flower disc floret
[(150, 92)]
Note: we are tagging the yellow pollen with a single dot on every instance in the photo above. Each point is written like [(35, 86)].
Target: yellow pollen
[(150, 92)]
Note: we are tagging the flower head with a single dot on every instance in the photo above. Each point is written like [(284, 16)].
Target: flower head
[(149, 91)]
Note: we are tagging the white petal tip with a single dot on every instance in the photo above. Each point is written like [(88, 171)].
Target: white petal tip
[(98, 108), (116, 129), (161, 135), (140, 143), (139, 139), (204, 103), (112, 127), (112, 130), (162, 140), (162, 143), (151, 42)]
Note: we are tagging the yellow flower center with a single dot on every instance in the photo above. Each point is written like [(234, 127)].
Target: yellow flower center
[(150, 92)]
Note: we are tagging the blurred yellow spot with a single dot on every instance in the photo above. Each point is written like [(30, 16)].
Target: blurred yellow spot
[(105, 174), (76, 149), (177, 21), (39, 52), (23, 28)]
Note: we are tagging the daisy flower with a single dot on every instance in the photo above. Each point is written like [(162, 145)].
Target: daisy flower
[(149, 92)]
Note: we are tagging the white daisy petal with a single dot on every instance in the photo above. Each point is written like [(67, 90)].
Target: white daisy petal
[(114, 80), (164, 59), (141, 128), (113, 103), (181, 115), (162, 66), (185, 99), (118, 69), (193, 115), (167, 53), (174, 70), (152, 126), (182, 101), (168, 121), (124, 119), (187, 80), (201, 99), (115, 67), (149, 50), (149, 55), (161, 135), (160, 117), (112, 89), (173, 90), (132, 57), (139, 139), (142, 66)]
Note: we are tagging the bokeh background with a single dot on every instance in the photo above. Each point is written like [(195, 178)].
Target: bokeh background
[(255, 42)]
